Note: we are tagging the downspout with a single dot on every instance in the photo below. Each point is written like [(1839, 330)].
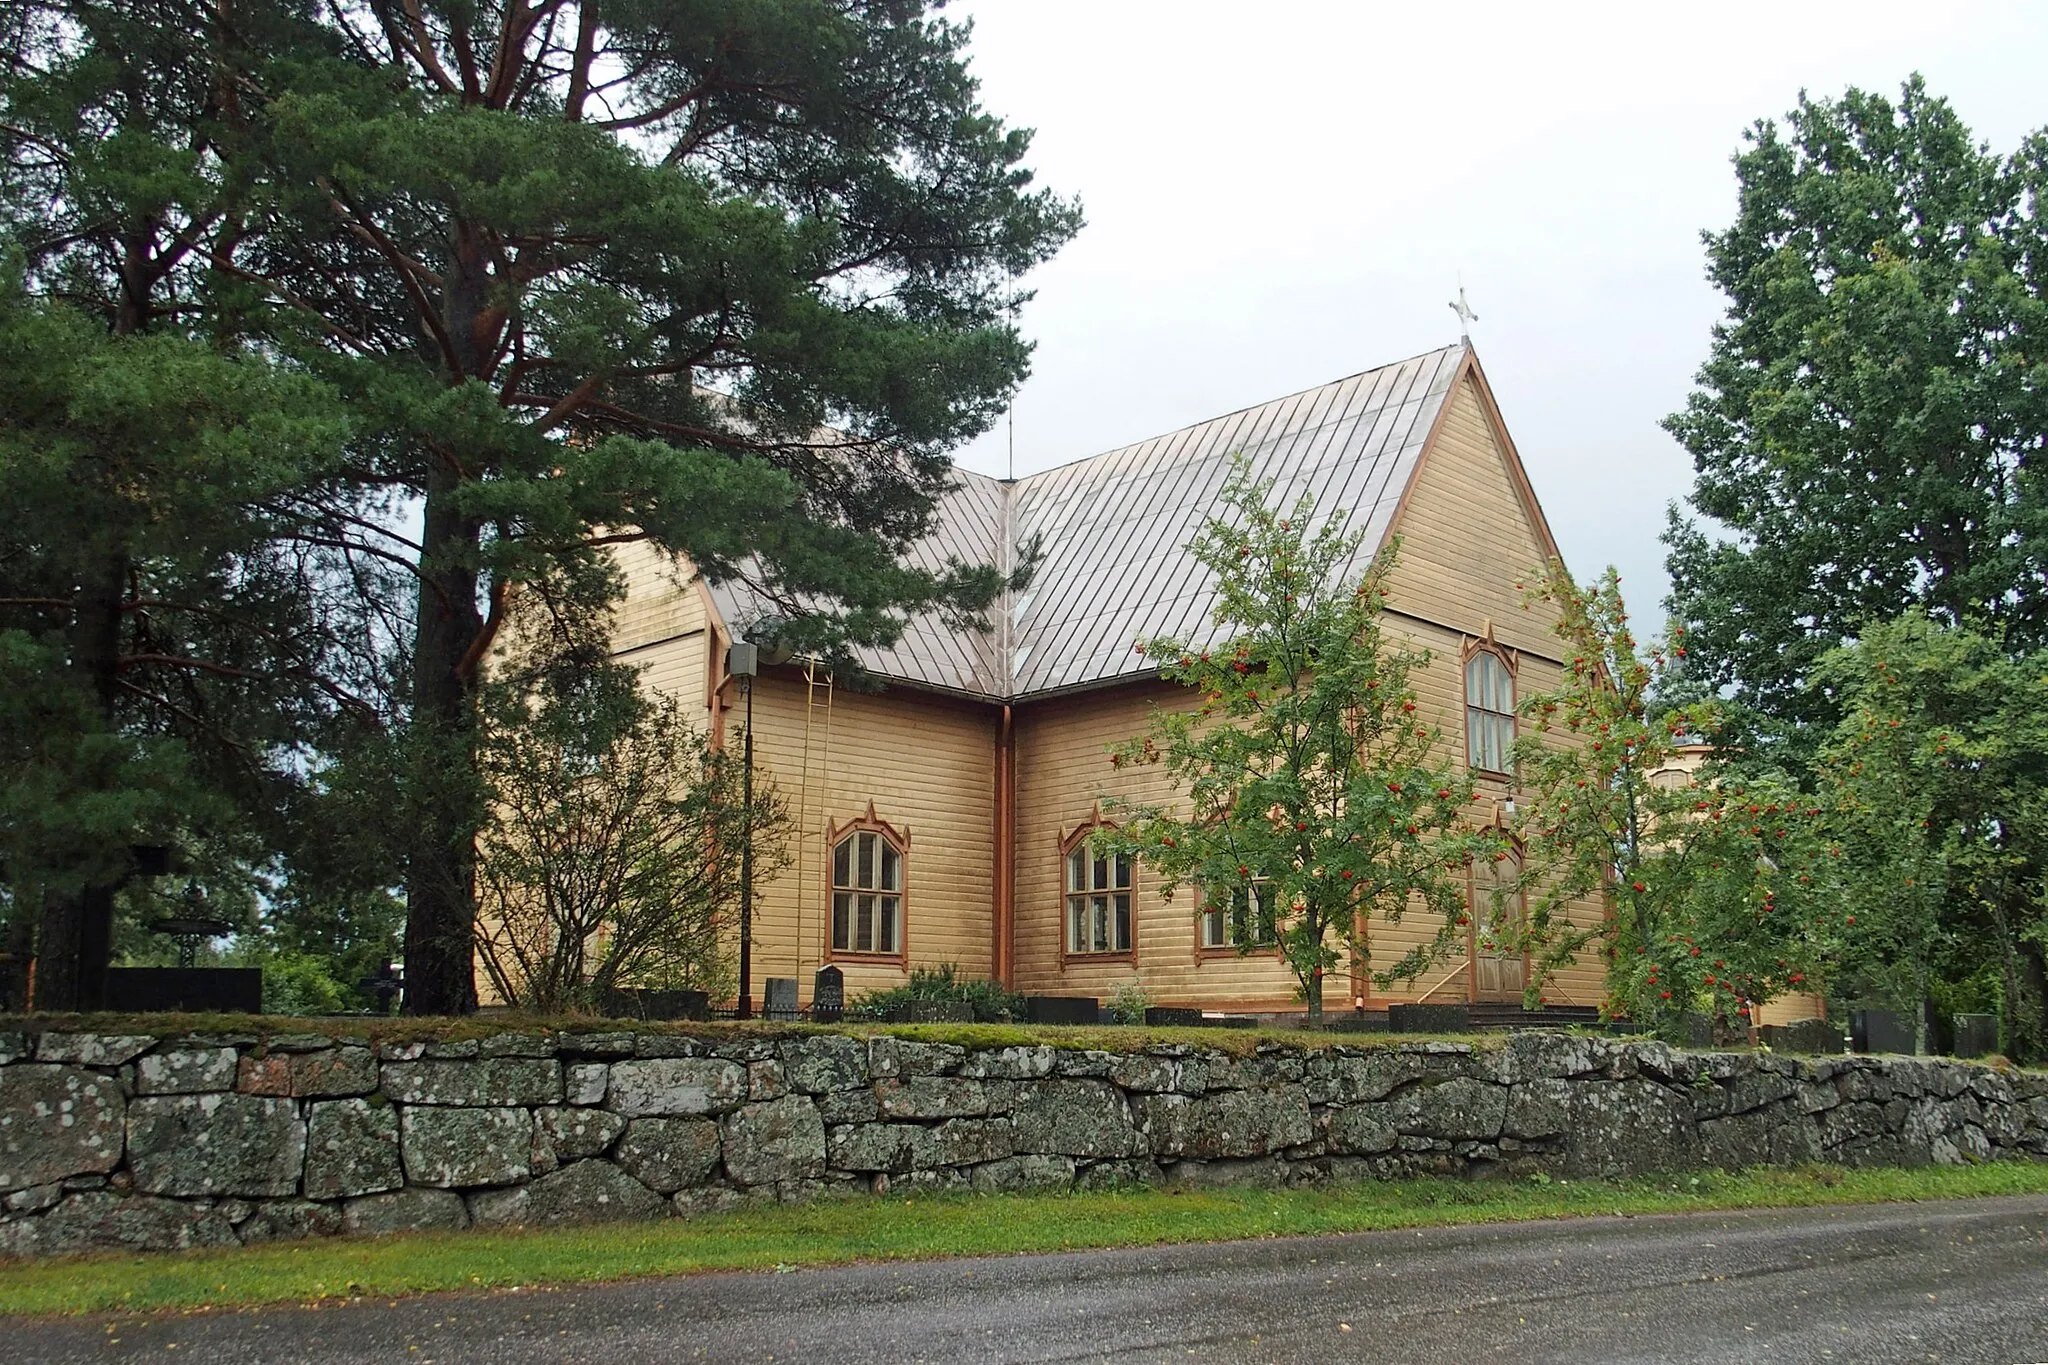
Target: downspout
[(1003, 949)]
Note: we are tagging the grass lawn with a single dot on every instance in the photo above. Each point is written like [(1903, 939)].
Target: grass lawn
[(897, 1228)]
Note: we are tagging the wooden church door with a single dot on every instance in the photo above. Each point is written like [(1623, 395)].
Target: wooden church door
[(1496, 909)]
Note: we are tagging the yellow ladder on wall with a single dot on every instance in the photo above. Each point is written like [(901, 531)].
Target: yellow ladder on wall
[(815, 679)]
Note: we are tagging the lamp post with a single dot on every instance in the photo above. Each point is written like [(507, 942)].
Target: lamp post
[(743, 661)]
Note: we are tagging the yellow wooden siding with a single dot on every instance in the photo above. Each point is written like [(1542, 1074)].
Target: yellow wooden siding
[(664, 627), (1063, 769), (928, 765), (1466, 535), (1791, 1009), (1467, 541)]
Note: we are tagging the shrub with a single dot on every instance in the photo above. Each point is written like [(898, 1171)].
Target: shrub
[(1128, 1003), (991, 1003)]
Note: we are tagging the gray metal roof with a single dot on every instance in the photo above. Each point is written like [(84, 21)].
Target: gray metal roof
[(1112, 532)]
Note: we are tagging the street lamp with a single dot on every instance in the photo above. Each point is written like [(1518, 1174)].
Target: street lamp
[(743, 661)]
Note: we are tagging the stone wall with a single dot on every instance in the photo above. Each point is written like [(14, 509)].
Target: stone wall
[(203, 1140)]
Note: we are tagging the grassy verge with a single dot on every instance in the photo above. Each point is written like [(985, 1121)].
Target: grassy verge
[(841, 1231)]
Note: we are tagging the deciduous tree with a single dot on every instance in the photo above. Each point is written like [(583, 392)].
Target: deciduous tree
[(1867, 429), (611, 847), (1934, 781), (1316, 797), (1717, 887)]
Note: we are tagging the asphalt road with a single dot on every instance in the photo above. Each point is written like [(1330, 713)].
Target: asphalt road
[(1962, 1281)]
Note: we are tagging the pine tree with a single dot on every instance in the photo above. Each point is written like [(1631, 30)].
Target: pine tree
[(165, 652), (729, 276)]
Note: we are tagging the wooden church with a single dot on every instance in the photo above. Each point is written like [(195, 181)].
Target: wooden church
[(942, 819)]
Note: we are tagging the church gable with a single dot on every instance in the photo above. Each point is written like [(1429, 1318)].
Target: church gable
[(1471, 534)]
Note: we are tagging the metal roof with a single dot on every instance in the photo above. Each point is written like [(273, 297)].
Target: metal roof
[(1112, 532)]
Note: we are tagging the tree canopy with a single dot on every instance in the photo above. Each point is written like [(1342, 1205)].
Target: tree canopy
[(1719, 887), (730, 276), (1867, 431)]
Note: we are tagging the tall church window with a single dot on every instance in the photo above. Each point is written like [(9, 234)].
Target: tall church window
[(1489, 711), (1099, 897), (868, 889)]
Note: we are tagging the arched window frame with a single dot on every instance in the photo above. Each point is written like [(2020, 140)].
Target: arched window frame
[(1070, 843), (1508, 659), (898, 840)]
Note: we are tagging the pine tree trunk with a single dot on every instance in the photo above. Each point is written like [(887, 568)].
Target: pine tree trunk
[(75, 939), (440, 891), (440, 888)]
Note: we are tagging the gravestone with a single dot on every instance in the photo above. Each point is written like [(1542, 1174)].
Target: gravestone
[(778, 998), (828, 995), (1805, 1035), (1062, 1009), (185, 990), (385, 986), (1881, 1031), (1173, 1016), (1976, 1035), (1429, 1019)]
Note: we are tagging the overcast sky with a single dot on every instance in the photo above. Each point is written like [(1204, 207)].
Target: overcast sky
[(1284, 193)]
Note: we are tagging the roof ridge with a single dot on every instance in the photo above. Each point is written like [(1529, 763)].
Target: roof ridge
[(1459, 346)]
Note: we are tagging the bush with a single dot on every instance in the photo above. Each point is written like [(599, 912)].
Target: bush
[(1128, 1003), (991, 1003)]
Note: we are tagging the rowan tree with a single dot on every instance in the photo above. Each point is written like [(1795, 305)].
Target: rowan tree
[(1315, 797), (1713, 883)]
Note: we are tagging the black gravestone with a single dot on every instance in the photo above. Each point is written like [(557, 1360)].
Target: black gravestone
[(1429, 1019), (1062, 1009), (185, 990), (1976, 1035), (828, 995), (1881, 1031)]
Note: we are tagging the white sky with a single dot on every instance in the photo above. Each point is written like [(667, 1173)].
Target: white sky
[(1285, 193)]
